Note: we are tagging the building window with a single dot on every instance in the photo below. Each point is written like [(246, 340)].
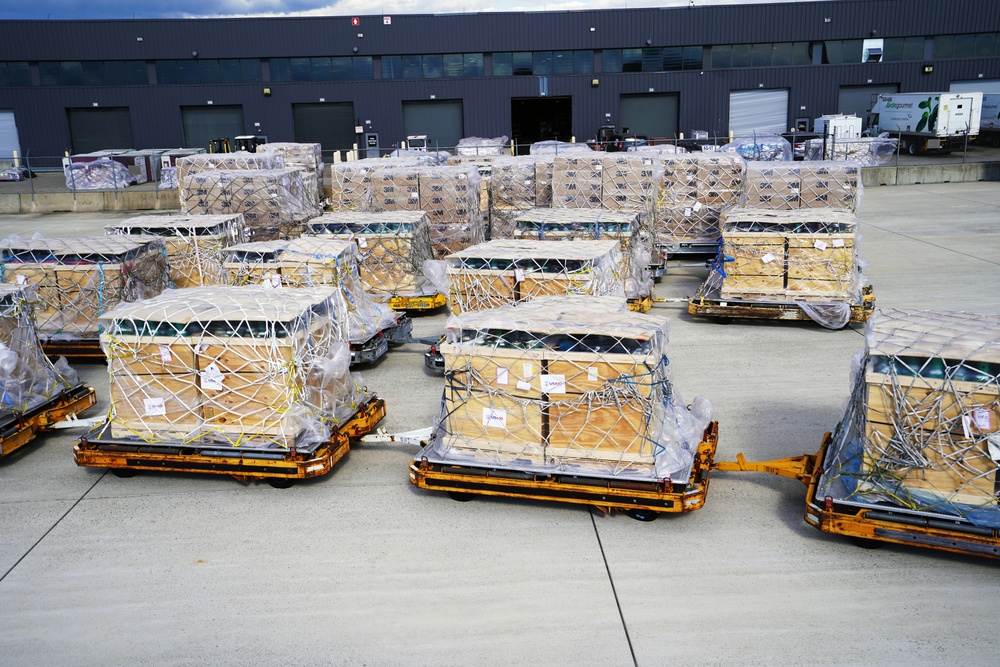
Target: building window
[(15, 74), (841, 52), (88, 73), (583, 61), (778, 54), (324, 68), (503, 64)]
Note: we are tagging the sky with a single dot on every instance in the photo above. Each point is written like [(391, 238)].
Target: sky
[(151, 9)]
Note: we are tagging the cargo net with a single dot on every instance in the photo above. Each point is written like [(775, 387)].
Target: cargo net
[(168, 179), (306, 157), (351, 182), (73, 280), (273, 202), (505, 272), (865, 151), (516, 184), (101, 174), (579, 385), (805, 258), (194, 243), (481, 146), (27, 377), (921, 430), (189, 165), (692, 191), (311, 262), (247, 367), (393, 247), (760, 148), (600, 181), (626, 227), (796, 185)]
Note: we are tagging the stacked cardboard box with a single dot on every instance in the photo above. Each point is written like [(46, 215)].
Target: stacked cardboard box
[(692, 192), (194, 243), (394, 246), (27, 377), (511, 187), (504, 272), (307, 157), (573, 383), (794, 255), (798, 185), (578, 182), (239, 161), (73, 280), (230, 366)]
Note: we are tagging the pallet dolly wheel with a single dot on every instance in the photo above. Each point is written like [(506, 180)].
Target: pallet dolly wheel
[(281, 482), (723, 320), (865, 543), (458, 496), (643, 515), (124, 473)]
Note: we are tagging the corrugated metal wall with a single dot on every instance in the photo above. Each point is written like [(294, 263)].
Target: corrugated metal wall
[(40, 111)]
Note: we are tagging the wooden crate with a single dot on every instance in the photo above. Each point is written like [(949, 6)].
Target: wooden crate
[(491, 420), (514, 372), (585, 372), (155, 406), (931, 404), (252, 404), (149, 355), (600, 429), (819, 257)]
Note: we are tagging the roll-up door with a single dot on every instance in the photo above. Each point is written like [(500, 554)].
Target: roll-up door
[(202, 124), (652, 115), (8, 137), (440, 120), (330, 125), (758, 111), (976, 85), (857, 100), (101, 128)]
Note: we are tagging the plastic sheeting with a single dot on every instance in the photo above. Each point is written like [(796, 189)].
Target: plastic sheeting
[(307, 157), (550, 148), (101, 174), (566, 384), (802, 185), (921, 430), (480, 146), (864, 151), (760, 147)]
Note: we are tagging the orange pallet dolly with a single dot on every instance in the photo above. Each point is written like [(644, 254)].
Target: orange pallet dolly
[(77, 348), (709, 303), (280, 468), (869, 525), (418, 303), (19, 428), (642, 500)]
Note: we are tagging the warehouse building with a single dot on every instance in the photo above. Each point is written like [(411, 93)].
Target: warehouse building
[(81, 86)]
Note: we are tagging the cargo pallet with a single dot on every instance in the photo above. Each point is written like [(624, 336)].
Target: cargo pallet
[(686, 249), (706, 303), (281, 468), (19, 428), (80, 348), (642, 500), (428, 302), (869, 525)]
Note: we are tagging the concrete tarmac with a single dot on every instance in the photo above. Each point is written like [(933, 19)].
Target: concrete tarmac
[(359, 567)]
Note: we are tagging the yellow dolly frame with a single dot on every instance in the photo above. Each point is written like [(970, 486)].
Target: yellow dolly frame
[(19, 428), (640, 499), (427, 302), (869, 526), (705, 304), (125, 456), (80, 348)]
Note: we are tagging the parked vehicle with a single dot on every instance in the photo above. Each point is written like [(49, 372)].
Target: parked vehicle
[(927, 121)]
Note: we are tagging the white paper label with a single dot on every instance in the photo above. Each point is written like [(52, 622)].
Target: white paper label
[(768, 258), (202, 347), (519, 275), (553, 384), (592, 375), (211, 378), (687, 212), (993, 445), (362, 243), (981, 418), (966, 424), (272, 281), (165, 356), (697, 206), (529, 371), (414, 195), (523, 386), (21, 280), (494, 418), (819, 245), (154, 407), (503, 376), (838, 243)]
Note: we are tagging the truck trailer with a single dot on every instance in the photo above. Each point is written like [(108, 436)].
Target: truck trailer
[(927, 121), (989, 129)]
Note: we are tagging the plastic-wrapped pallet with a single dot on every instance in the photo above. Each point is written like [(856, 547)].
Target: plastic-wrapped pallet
[(311, 262), (481, 146), (450, 198), (578, 385), (351, 182), (578, 181), (194, 243), (238, 161), (231, 366), (626, 227), (507, 271), (629, 182), (921, 430), (75, 279), (101, 174), (168, 179), (394, 246), (512, 189), (307, 157), (760, 147), (27, 377), (796, 185), (865, 151), (692, 192), (273, 202)]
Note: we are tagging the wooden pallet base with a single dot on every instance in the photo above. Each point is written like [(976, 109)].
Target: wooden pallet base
[(711, 305)]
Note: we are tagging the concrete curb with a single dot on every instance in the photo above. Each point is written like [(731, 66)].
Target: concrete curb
[(968, 172)]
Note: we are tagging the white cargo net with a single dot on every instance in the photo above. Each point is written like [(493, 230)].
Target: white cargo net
[(921, 430), (575, 384), (231, 366)]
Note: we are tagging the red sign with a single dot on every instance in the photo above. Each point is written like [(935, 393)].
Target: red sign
[(355, 21)]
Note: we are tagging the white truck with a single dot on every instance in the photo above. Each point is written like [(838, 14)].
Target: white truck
[(989, 129), (927, 121)]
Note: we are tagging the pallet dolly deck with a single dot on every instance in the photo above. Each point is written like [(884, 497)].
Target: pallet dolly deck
[(689, 249), (417, 303), (79, 348), (708, 303), (870, 524), (19, 428), (281, 468), (643, 500)]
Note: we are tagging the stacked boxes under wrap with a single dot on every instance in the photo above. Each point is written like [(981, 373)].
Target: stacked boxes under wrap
[(27, 377), (194, 243), (796, 185), (575, 384), (75, 279), (273, 202), (394, 246), (578, 182), (512, 189), (864, 151), (692, 192), (311, 262), (504, 272), (307, 157), (351, 182), (231, 366), (239, 161), (922, 428), (805, 255), (561, 224)]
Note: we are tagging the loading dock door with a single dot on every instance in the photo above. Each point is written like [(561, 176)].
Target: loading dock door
[(202, 124), (654, 115), (977, 85), (441, 120), (330, 125), (534, 119), (98, 129), (857, 100), (760, 111), (8, 137)]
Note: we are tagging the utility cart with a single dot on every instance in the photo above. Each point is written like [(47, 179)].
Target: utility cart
[(19, 428)]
